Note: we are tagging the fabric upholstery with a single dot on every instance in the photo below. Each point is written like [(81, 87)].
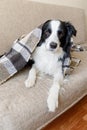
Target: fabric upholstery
[(26, 109), (19, 17)]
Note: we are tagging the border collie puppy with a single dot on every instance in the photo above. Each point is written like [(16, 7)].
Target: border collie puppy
[(52, 57)]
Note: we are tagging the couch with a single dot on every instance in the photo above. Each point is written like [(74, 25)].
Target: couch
[(26, 109)]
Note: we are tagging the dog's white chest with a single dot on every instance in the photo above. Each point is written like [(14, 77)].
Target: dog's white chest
[(46, 61)]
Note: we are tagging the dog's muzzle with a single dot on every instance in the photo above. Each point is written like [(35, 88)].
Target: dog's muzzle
[(53, 45)]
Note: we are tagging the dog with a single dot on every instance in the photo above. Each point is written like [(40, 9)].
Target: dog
[(52, 57)]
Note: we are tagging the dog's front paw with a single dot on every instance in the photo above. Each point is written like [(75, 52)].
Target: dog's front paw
[(29, 83), (52, 103)]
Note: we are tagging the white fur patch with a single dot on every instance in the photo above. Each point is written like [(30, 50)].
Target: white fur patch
[(52, 100), (53, 37), (72, 39), (47, 61), (31, 78)]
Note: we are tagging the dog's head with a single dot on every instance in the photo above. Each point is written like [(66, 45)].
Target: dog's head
[(56, 33)]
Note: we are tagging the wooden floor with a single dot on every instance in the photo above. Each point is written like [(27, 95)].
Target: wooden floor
[(73, 119)]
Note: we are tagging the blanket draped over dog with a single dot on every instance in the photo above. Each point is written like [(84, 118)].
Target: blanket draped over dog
[(19, 54)]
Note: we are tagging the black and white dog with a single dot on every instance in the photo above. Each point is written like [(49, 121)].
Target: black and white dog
[(52, 56)]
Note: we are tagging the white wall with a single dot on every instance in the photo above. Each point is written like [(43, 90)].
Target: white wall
[(73, 3)]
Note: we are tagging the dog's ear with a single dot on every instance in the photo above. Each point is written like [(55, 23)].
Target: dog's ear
[(43, 27), (46, 22), (70, 32), (70, 29)]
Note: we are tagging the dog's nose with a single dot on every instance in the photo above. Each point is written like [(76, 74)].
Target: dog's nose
[(53, 45)]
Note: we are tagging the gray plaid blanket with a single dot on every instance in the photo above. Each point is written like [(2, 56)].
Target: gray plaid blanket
[(19, 55)]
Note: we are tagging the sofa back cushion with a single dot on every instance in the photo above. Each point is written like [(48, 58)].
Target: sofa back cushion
[(19, 17)]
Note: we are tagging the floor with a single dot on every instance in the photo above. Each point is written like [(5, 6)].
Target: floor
[(73, 119)]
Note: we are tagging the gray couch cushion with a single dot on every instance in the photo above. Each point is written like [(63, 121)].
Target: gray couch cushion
[(19, 17), (26, 109)]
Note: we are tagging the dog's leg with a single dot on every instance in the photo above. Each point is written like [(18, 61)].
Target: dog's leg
[(52, 100), (31, 78), (66, 65)]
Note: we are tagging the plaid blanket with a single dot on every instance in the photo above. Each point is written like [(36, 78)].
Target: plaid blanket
[(19, 55)]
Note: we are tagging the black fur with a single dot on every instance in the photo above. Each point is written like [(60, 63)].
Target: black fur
[(66, 43), (30, 63), (65, 32), (46, 32), (68, 31)]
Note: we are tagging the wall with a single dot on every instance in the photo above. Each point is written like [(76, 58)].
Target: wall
[(73, 3)]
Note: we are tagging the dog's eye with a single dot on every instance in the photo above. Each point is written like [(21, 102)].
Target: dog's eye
[(60, 33), (47, 32)]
